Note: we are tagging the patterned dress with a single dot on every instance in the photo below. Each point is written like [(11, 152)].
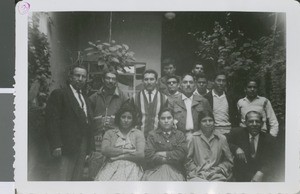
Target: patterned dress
[(121, 170)]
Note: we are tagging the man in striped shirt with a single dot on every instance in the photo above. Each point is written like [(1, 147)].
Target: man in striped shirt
[(149, 102)]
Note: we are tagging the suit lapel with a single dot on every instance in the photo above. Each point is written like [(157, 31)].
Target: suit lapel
[(196, 100), (260, 144), (88, 108), (247, 143), (181, 103), (75, 106)]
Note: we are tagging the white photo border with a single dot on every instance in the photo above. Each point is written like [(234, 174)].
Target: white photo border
[(292, 165)]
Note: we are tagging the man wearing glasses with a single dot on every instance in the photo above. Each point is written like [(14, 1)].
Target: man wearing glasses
[(173, 87)]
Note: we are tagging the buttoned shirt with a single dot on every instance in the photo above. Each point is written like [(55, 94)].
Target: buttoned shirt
[(220, 110), (262, 105), (153, 92), (189, 117), (76, 94)]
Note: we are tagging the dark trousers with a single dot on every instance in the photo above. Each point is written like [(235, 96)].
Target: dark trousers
[(243, 172), (69, 167)]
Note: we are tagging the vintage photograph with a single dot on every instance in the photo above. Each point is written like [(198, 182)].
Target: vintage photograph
[(156, 96)]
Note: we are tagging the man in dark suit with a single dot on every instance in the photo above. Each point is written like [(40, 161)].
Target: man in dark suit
[(69, 128), (254, 150), (223, 105)]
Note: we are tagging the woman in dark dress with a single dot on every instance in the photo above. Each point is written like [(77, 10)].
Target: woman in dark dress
[(165, 150)]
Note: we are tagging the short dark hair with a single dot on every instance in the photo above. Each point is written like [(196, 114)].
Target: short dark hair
[(165, 109), (201, 75), (220, 73), (252, 80), (255, 112), (126, 107), (198, 62), (151, 71), (173, 77), (205, 113), (73, 67), (188, 74), (168, 61), (111, 70)]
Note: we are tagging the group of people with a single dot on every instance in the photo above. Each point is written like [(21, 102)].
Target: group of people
[(174, 129)]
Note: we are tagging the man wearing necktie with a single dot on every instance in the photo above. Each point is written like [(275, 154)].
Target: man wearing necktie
[(149, 102), (69, 128), (254, 150)]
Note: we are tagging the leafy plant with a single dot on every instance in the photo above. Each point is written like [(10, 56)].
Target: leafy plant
[(110, 54), (39, 73), (241, 58)]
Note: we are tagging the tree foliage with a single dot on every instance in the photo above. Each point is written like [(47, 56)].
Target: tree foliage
[(110, 54), (39, 74), (241, 57)]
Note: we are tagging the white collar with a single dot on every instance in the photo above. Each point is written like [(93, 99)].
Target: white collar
[(214, 94), (257, 97), (152, 92), (183, 97), (73, 89)]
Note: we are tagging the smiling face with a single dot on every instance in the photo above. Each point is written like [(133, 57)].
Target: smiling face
[(253, 122), (207, 125), (126, 120), (220, 83), (78, 78), (188, 85), (169, 70), (149, 81), (166, 121), (251, 90), (110, 81)]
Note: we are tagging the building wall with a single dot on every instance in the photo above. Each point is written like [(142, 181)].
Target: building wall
[(63, 43), (70, 32)]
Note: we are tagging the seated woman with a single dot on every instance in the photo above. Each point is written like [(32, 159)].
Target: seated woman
[(124, 148), (209, 157), (165, 150)]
